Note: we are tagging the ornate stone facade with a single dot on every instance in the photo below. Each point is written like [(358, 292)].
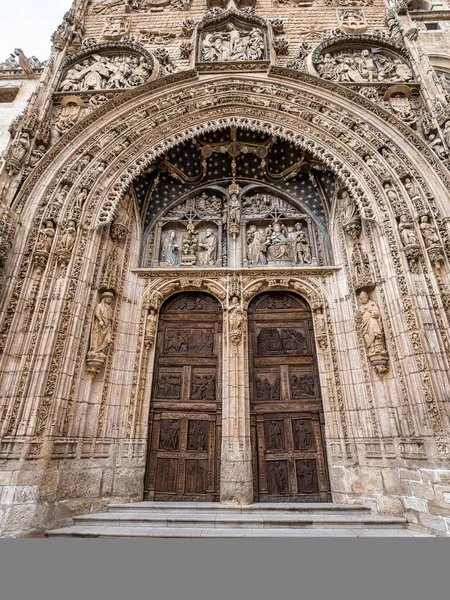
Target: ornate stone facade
[(271, 177)]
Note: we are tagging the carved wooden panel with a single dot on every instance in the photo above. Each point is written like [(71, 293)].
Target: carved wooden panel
[(185, 419), (286, 406)]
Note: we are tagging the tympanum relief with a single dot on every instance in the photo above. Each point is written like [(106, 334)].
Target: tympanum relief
[(200, 232), (277, 234), (366, 65), (107, 72)]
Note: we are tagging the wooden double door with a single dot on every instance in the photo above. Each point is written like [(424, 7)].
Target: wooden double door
[(286, 413), (185, 419), (285, 403)]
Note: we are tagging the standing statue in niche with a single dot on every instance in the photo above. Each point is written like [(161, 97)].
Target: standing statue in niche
[(170, 255), (101, 332), (45, 239), (407, 233), (429, 233), (236, 321), (207, 249), (371, 327)]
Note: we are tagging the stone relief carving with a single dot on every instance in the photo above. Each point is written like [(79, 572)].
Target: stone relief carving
[(398, 100), (116, 27), (16, 154), (409, 240), (278, 245), (6, 235), (65, 245), (431, 239), (232, 44), (111, 6), (363, 66), (352, 20), (371, 327), (237, 320), (70, 112), (44, 245), (281, 46), (101, 334), (100, 72)]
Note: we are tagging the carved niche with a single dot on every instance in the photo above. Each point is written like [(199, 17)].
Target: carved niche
[(361, 59), (190, 234), (108, 68), (237, 38)]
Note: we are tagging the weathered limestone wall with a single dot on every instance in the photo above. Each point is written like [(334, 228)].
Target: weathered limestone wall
[(73, 421)]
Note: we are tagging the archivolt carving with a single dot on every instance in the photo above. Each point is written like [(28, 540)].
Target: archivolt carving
[(160, 289), (143, 162)]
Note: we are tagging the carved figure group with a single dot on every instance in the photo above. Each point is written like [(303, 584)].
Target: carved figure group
[(278, 244), (232, 45), (106, 72), (363, 66)]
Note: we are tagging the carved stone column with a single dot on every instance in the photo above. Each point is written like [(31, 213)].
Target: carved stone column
[(236, 479)]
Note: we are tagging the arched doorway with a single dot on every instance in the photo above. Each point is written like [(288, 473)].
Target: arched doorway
[(285, 402), (185, 416)]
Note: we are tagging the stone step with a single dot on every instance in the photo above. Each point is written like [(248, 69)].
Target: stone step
[(266, 507), (237, 521), (79, 531), (184, 519)]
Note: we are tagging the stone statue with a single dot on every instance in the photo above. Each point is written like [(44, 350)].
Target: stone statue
[(277, 243), (371, 325), (301, 248), (67, 241), (407, 233), (17, 153), (429, 233), (150, 328), (436, 144), (234, 220), (446, 134), (256, 247), (102, 325), (207, 249), (236, 320), (46, 236), (170, 253)]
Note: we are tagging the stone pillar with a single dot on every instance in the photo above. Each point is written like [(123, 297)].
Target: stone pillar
[(236, 478)]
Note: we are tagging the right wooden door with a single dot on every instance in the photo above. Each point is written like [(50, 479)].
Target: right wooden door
[(285, 402)]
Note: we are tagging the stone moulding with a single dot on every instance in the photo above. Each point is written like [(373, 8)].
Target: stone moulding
[(287, 74)]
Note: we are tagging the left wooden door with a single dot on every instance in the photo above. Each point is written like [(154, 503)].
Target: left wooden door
[(185, 416)]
